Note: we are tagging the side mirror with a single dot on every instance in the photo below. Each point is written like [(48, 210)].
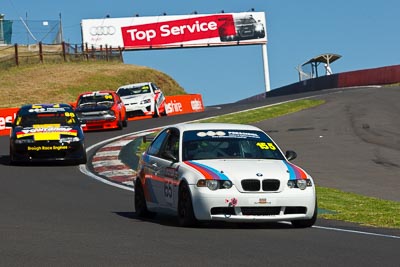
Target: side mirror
[(291, 155)]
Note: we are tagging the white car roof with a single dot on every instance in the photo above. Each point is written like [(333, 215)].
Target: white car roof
[(215, 126)]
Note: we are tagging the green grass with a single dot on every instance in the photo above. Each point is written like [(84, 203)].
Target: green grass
[(264, 113), (359, 209), (340, 205)]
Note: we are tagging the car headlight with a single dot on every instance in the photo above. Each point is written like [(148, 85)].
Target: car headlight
[(301, 183), (215, 184), (212, 184), (109, 112), (145, 101), (226, 184)]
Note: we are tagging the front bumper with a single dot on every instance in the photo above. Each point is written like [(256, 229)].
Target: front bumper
[(234, 206), (133, 110), (99, 123), (48, 151)]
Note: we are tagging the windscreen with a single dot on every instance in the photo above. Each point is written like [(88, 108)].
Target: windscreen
[(96, 99), (220, 144), (66, 118), (134, 90)]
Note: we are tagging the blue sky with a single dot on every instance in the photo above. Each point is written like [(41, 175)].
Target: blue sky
[(365, 33)]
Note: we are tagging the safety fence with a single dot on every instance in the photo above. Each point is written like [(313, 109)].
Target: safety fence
[(16, 55)]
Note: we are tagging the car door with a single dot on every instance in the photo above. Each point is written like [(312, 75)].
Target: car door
[(154, 184), (167, 169)]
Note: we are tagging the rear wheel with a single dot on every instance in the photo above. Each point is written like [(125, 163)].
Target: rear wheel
[(83, 160), (11, 159), (185, 207)]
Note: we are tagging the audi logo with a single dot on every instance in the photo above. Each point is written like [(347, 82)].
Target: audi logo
[(102, 30)]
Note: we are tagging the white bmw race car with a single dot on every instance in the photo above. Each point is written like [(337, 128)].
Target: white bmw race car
[(226, 172), (143, 99)]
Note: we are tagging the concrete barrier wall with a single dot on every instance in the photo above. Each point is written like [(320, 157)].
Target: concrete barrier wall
[(376, 76)]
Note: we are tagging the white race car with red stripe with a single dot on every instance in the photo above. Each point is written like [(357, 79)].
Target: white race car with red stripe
[(143, 99), (227, 172)]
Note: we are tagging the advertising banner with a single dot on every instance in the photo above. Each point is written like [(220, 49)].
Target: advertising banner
[(175, 105), (180, 104), (176, 31), (6, 115)]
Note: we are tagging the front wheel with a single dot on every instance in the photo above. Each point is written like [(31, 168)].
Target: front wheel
[(125, 121), (186, 216), (140, 201), (307, 223), (156, 111)]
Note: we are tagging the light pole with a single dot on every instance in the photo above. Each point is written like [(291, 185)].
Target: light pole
[(1, 29)]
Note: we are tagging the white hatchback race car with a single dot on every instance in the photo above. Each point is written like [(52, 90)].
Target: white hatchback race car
[(226, 172), (143, 99)]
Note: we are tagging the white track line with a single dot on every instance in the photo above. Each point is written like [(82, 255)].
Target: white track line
[(355, 232)]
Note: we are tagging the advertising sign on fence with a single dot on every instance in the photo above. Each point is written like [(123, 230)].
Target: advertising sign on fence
[(176, 31), (6, 115), (175, 105), (180, 104)]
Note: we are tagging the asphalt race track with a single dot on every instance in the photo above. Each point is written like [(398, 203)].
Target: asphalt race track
[(56, 216)]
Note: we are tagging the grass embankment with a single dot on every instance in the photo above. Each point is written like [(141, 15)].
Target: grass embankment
[(56, 83), (343, 206)]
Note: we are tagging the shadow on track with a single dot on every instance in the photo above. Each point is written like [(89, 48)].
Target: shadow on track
[(172, 221)]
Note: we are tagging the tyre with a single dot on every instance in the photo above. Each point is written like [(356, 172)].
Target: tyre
[(140, 201), (120, 123), (156, 112), (186, 216), (307, 223), (125, 121), (83, 160), (164, 113), (11, 158)]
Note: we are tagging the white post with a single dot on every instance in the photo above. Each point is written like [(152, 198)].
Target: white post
[(266, 68)]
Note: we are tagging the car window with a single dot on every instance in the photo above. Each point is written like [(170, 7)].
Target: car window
[(134, 90), (96, 99), (61, 118), (172, 144), (199, 145), (246, 20), (124, 92), (155, 147), (155, 88)]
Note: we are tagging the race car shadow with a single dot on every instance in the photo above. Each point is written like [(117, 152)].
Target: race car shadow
[(5, 160), (171, 221)]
